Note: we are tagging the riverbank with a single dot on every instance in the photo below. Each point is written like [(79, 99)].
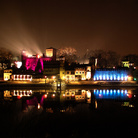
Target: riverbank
[(69, 84)]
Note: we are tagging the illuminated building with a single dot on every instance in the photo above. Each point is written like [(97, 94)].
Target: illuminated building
[(78, 72), (22, 93), (88, 72), (18, 64), (51, 52), (111, 75), (83, 72), (22, 77), (35, 62), (125, 64), (7, 74), (70, 75)]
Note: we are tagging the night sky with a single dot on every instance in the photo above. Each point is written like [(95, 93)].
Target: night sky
[(35, 25)]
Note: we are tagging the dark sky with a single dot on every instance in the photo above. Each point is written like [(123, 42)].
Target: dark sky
[(35, 25)]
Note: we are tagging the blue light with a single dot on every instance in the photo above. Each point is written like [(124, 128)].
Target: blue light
[(111, 78), (126, 78), (100, 77), (107, 77), (122, 77), (110, 94), (100, 91), (114, 91), (114, 77), (104, 92), (119, 75), (103, 77), (118, 78), (107, 92)]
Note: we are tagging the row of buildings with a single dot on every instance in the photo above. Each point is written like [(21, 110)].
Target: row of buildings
[(49, 66), (33, 67)]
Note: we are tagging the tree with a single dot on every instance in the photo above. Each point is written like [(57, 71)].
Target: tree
[(113, 58), (105, 58), (5, 57), (69, 53)]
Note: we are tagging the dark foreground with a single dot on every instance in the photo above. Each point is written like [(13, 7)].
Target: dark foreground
[(110, 119)]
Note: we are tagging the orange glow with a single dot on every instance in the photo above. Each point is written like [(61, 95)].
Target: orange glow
[(38, 56), (38, 106), (129, 78), (53, 95)]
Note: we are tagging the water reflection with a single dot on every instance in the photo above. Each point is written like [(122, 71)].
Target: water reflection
[(112, 93), (65, 101), (38, 113)]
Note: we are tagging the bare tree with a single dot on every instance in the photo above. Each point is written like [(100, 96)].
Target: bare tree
[(105, 58), (69, 53), (5, 57)]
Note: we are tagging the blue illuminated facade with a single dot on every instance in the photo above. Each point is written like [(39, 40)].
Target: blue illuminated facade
[(110, 75), (111, 94)]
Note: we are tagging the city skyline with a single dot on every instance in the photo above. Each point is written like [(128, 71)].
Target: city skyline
[(36, 25)]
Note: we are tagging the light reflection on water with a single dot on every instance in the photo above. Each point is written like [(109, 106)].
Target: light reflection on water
[(43, 113), (48, 99)]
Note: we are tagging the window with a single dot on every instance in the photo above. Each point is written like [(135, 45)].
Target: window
[(67, 72), (76, 72), (80, 72)]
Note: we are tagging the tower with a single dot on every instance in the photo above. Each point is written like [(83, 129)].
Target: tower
[(51, 52)]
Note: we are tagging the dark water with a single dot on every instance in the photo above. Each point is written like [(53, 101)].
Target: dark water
[(109, 112)]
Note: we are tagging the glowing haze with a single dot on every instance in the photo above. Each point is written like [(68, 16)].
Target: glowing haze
[(34, 25)]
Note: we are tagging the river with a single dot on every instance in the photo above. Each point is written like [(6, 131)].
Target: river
[(77, 112)]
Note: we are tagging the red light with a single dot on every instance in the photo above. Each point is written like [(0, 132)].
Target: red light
[(45, 96), (129, 95), (18, 97)]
